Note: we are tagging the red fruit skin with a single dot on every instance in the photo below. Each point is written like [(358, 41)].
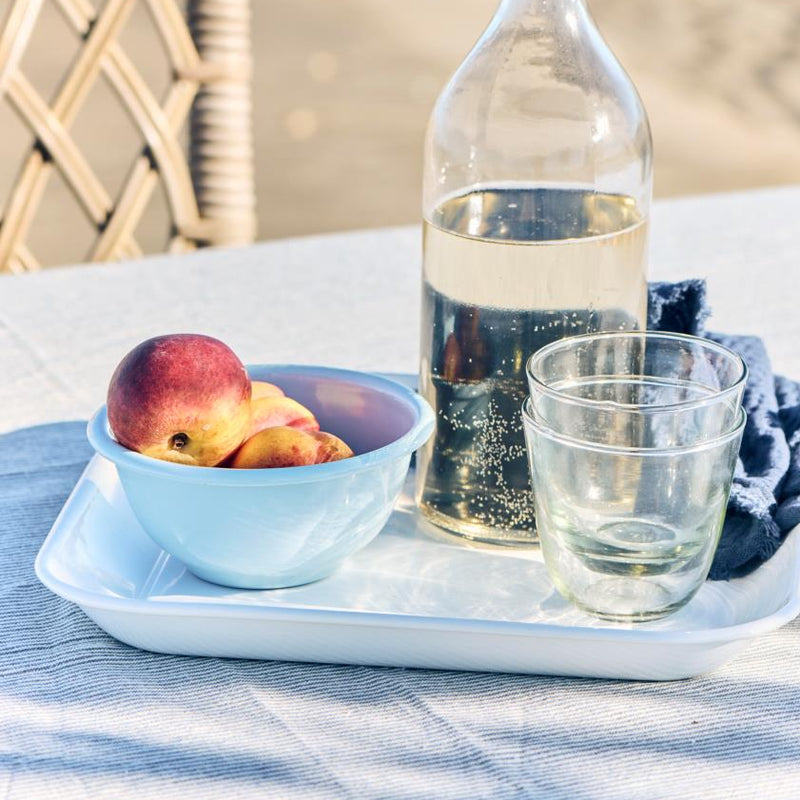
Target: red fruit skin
[(175, 383)]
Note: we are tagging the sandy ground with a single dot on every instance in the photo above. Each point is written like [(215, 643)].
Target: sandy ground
[(343, 89)]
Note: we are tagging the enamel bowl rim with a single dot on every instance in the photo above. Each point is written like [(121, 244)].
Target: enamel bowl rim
[(99, 435)]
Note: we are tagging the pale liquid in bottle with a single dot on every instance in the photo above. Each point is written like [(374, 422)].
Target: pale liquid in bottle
[(506, 270)]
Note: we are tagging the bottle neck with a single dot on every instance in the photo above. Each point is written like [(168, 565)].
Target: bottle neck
[(538, 6), (519, 9), (543, 20)]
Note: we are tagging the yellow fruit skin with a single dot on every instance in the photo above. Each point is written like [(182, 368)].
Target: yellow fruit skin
[(282, 446), (331, 448), (271, 412), (264, 389)]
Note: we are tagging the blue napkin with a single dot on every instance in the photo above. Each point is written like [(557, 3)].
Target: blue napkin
[(765, 497)]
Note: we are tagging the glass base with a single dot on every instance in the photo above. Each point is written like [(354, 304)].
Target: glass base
[(626, 600), (470, 534)]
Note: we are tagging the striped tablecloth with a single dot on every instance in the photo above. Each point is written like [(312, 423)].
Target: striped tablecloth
[(83, 716)]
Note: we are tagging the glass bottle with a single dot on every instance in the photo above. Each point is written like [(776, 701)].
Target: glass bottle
[(537, 187)]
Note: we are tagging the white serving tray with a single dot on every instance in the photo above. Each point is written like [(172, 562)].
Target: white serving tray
[(408, 599)]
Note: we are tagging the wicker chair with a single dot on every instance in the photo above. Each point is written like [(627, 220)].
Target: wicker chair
[(210, 194)]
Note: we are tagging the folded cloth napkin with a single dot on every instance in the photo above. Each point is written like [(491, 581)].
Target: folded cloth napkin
[(765, 497)]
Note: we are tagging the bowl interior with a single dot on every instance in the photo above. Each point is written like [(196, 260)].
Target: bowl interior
[(361, 410)]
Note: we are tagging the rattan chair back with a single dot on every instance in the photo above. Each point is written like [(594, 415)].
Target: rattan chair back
[(209, 190)]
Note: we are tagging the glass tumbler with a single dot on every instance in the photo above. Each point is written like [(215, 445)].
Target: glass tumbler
[(637, 389), (632, 454)]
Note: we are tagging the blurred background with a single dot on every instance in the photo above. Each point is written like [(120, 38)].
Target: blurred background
[(343, 88)]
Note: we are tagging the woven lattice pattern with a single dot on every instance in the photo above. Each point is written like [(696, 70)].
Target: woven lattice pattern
[(210, 194)]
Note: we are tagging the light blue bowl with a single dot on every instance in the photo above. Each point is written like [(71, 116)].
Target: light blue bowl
[(272, 528)]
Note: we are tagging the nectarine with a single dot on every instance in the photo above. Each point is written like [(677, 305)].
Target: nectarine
[(283, 446), (271, 411), (264, 389), (182, 398)]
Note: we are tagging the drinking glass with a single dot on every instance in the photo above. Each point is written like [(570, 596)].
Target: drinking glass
[(637, 389), (632, 443)]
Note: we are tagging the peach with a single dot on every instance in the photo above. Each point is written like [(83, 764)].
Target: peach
[(271, 412), (182, 398), (331, 448), (283, 446), (264, 389)]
